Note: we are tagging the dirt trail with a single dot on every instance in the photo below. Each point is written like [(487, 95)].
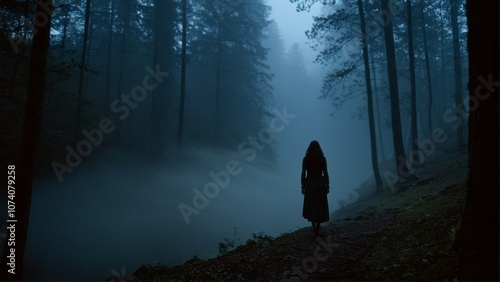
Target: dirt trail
[(297, 255), (342, 245)]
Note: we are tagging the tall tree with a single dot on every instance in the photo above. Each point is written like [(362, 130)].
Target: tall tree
[(180, 128), (20, 52), (154, 130), (295, 60), (397, 137), (82, 70), (218, 84), (25, 171), (164, 14), (458, 65), (477, 237), (65, 9), (376, 97), (428, 68), (413, 88), (89, 39), (126, 10), (369, 95), (108, 57)]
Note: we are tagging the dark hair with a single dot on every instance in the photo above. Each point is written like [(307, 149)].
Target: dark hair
[(314, 151)]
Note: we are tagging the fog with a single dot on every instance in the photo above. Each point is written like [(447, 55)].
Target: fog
[(293, 26), (119, 211), (164, 187), (111, 214)]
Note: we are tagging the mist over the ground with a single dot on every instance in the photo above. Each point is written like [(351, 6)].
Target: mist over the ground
[(118, 210)]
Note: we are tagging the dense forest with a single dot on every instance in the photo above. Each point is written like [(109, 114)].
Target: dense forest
[(219, 72), (98, 49), (189, 86)]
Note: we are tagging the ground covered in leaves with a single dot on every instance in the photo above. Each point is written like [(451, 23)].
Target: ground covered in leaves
[(402, 236)]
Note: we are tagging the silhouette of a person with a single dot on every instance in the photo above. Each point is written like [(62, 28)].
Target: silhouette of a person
[(315, 186)]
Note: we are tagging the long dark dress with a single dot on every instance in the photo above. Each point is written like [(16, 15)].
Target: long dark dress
[(315, 182)]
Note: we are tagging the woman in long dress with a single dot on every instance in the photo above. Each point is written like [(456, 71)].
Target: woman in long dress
[(315, 186)]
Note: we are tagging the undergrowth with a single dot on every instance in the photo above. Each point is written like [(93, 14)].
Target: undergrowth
[(420, 244)]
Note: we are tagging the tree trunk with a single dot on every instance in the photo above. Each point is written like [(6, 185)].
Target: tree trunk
[(64, 37), (399, 152), (441, 101), (20, 55), (428, 69), (180, 129), (477, 237), (458, 66), (108, 60), (218, 90), (91, 34), (154, 133), (82, 72), (376, 97), (25, 171), (123, 59), (371, 119), (413, 91)]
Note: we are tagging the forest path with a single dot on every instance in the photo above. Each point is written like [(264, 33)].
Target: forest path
[(402, 236), (297, 255)]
